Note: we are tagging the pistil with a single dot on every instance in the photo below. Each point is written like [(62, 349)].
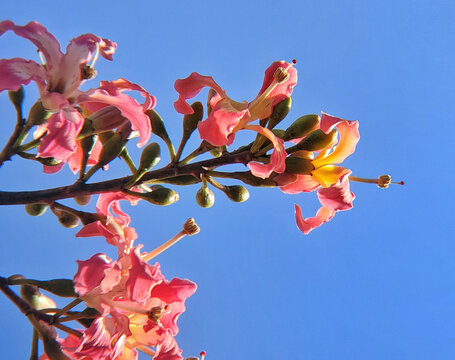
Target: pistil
[(383, 181)]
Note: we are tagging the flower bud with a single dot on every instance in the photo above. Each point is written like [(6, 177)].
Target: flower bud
[(205, 197), (190, 121), (157, 123), (317, 140), (38, 115), (217, 151), (279, 112), (150, 157), (48, 161), (36, 209), (17, 97), (107, 118), (237, 193), (296, 165), (112, 148), (67, 219), (82, 200), (59, 287), (302, 126), (161, 196)]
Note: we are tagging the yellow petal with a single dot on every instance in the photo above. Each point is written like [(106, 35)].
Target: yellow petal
[(328, 175)]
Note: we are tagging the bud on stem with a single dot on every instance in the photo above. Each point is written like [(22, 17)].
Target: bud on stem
[(159, 129)]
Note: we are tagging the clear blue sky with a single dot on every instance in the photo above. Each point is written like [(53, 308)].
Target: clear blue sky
[(377, 282)]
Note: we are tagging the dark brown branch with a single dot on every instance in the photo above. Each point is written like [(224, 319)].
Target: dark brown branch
[(64, 192)]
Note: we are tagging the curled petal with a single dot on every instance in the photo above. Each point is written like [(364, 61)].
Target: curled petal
[(277, 159), (125, 85), (349, 137), (328, 122), (109, 94), (111, 201), (38, 35), (306, 225), (337, 197), (16, 72), (218, 128), (190, 87)]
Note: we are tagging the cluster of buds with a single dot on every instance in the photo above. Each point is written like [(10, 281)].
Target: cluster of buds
[(131, 307)]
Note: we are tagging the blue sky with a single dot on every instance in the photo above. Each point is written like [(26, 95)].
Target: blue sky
[(378, 281)]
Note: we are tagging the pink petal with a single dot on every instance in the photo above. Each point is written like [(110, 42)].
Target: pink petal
[(123, 84), (99, 270), (349, 137), (190, 87), (75, 159), (111, 201), (95, 99), (277, 159), (63, 128), (218, 128), (16, 72), (306, 225), (175, 290), (168, 350), (302, 183), (337, 197), (38, 35), (328, 122)]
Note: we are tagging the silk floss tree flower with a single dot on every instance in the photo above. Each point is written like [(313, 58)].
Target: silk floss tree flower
[(58, 79), (227, 116)]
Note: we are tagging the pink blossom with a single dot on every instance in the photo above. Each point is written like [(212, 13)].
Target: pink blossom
[(133, 291), (58, 81), (228, 116)]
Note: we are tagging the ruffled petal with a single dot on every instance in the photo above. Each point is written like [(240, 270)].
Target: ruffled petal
[(337, 197), (62, 128), (38, 35), (218, 128), (190, 87), (306, 225), (16, 72), (277, 159)]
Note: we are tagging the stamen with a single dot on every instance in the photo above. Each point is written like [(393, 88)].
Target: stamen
[(383, 181), (203, 353), (189, 228), (95, 57), (146, 350), (41, 56)]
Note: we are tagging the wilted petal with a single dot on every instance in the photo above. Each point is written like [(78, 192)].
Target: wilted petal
[(337, 197), (306, 225), (190, 87), (16, 72)]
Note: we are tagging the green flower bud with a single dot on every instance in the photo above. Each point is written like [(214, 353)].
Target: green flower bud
[(161, 196), (217, 151), (279, 112), (157, 123), (67, 219), (150, 157), (36, 209), (17, 97), (190, 121), (317, 140), (82, 200), (38, 115), (296, 165), (237, 193), (112, 148), (205, 197), (48, 161), (302, 126), (60, 287)]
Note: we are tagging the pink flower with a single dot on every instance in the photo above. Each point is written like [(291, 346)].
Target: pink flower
[(228, 116), (331, 181), (58, 81), (132, 290), (116, 228)]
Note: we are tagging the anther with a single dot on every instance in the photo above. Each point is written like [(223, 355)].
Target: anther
[(191, 227), (281, 75), (87, 72), (156, 313)]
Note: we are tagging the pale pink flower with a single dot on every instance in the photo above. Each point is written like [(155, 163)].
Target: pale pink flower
[(228, 116), (58, 81)]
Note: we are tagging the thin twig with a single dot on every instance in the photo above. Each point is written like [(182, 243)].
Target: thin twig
[(8, 151)]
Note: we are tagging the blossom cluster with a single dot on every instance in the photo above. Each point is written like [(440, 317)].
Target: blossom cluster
[(137, 306)]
